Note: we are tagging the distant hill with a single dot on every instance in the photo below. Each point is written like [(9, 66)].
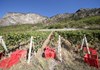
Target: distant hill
[(81, 17)]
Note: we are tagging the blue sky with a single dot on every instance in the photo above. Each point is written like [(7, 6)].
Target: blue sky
[(45, 7)]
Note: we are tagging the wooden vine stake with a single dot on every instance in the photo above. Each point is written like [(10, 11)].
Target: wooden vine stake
[(3, 44), (87, 45), (85, 41), (59, 48), (30, 49)]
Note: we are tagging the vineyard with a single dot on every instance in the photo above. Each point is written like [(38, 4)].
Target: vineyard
[(70, 59), (13, 39), (75, 37)]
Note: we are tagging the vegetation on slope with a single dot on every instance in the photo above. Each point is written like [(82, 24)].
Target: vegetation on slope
[(13, 39), (74, 37), (89, 22)]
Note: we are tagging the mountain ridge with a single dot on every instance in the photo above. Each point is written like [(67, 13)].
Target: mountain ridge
[(14, 18)]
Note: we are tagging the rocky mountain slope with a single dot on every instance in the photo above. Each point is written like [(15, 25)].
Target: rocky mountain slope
[(21, 18), (29, 18), (79, 14)]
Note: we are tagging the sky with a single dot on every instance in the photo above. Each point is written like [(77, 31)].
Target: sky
[(45, 7)]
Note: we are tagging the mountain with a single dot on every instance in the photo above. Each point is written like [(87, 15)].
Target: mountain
[(82, 13), (79, 14), (57, 18), (21, 18), (29, 18), (82, 18)]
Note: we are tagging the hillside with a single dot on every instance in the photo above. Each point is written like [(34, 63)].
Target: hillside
[(85, 23), (79, 14), (21, 18), (92, 22), (81, 18)]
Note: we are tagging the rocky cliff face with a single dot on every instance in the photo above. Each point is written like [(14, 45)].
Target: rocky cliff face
[(21, 18)]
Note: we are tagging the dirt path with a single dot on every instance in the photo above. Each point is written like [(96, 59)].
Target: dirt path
[(65, 29)]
